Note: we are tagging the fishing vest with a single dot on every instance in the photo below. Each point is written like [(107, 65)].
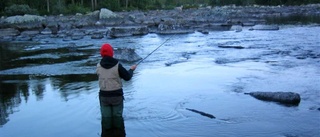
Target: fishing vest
[(109, 79)]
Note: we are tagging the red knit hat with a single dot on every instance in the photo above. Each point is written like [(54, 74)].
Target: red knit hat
[(106, 50)]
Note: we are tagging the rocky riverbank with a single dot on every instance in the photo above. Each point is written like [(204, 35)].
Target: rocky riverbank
[(105, 23)]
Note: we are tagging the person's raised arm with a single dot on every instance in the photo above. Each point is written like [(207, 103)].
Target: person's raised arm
[(126, 74)]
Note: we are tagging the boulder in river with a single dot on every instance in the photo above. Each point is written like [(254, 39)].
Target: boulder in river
[(128, 31), (9, 32), (265, 27), (289, 98), (46, 31), (97, 36), (236, 28), (126, 54)]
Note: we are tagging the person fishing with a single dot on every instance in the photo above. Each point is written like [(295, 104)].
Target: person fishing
[(110, 72)]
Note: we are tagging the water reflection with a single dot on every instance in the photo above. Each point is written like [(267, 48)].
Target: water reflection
[(73, 84), (10, 97), (17, 88)]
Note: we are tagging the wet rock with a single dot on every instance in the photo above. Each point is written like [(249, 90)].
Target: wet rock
[(217, 27), (307, 54), (97, 36), (187, 55), (248, 24), (72, 47), (233, 47), (175, 62), (225, 60), (203, 31), (265, 27), (27, 35), (9, 32), (30, 33), (314, 108), (180, 31), (169, 26), (7, 38), (116, 32), (24, 38), (54, 27), (236, 28), (126, 54), (76, 34), (289, 98), (46, 31), (77, 37), (184, 58)]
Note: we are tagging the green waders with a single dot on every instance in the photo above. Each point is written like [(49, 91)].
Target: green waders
[(112, 122)]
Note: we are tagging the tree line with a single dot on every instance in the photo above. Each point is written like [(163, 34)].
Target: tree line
[(49, 7)]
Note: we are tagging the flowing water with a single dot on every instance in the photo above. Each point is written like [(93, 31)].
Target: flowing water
[(49, 88)]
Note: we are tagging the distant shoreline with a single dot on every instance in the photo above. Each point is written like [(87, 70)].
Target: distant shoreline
[(166, 21)]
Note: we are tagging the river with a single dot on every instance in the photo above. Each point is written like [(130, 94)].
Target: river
[(49, 88)]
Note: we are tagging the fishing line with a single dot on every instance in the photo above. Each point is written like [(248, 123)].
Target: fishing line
[(155, 50)]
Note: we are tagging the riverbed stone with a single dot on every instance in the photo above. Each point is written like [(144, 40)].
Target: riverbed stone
[(289, 98), (97, 36), (9, 32), (53, 26), (46, 31), (126, 54), (236, 28), (164, 21), (24, 38), (30, 32), (265, 27), (231, 46), (77, 37), (116, 32)]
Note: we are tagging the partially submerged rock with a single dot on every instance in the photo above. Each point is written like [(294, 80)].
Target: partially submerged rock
[(265, 27), (9, 32), (289, 98), (116, 32), (171, 27), (230, 46), (126, 54), (236, 28), (187, 31), (175, 62)]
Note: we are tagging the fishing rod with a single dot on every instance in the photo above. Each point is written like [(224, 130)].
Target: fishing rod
[(155, 50)]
